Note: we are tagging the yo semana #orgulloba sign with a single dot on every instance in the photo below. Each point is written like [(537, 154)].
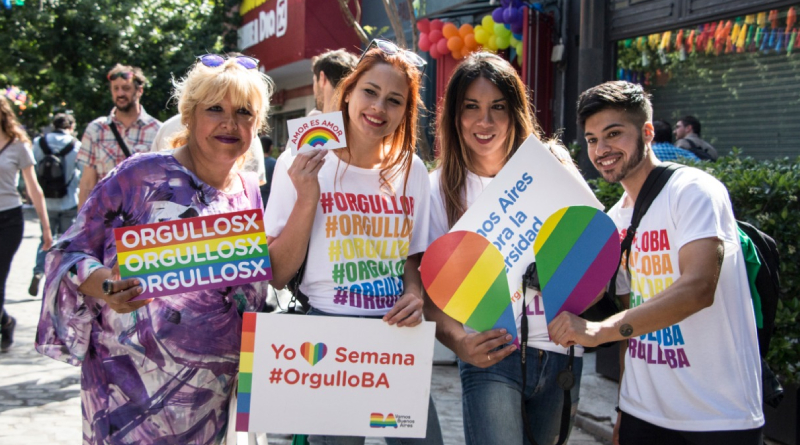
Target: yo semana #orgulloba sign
[(267, 24)]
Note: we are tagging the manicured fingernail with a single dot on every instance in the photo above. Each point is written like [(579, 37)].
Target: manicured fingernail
[(508, 337), (139, 290)]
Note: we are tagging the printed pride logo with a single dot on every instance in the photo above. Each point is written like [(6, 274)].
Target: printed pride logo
[(317, 137), (313, 353), (376, 420)]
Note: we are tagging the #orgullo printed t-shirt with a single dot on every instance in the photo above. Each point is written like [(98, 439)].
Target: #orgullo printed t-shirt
[(362, 233)]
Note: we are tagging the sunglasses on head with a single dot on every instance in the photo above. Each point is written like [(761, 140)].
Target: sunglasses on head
[(391, 49), (215, 60), (127, 75)]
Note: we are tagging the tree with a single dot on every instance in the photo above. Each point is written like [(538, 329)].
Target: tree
[(395, 19), (60, 54)]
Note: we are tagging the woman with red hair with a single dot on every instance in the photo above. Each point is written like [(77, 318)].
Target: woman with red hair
[(374, 183)]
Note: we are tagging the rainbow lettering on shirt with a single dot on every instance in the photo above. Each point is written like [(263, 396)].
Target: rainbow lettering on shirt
[(368, 237), (652, 272)]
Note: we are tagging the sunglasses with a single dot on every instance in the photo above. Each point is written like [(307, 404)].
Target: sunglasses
[(127, 75), (391, 49), (215, 60)]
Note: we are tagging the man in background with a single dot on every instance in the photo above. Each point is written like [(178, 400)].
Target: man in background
[(662, 145), (101, 149), (687, 137), (329, 68)]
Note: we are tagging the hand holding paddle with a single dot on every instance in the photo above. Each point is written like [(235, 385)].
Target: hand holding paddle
[(478, 348)]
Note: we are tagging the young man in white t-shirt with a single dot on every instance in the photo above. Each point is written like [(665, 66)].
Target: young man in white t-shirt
[(692, 370)]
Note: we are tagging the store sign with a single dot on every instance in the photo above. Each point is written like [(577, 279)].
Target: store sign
[(266, 25)]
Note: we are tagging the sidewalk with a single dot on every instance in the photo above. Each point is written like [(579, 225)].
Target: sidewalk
[(40, 397)]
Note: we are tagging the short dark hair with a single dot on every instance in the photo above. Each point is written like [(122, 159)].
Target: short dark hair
[(663, 131), (691, 120), (266, 144), (138, 75), (63, 121), (617, 95), (335, 64)]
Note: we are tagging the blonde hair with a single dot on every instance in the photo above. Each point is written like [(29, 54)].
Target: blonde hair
[(248, 88)]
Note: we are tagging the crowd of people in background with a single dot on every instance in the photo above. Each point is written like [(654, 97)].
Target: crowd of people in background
[(168, 372)]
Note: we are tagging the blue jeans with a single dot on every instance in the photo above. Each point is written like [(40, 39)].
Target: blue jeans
[(492, 398), (433, 433), (60, 221)]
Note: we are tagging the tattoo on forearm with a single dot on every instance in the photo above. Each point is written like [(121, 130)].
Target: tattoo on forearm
[(626, 330)]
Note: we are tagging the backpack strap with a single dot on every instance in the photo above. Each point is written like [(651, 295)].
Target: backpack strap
[(652, 186), (119, 139), (44, 145), (67, 148)]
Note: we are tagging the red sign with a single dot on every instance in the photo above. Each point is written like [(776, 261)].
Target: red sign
[(279, 32)]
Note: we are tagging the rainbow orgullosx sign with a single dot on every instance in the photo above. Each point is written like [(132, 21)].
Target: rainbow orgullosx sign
[(192, 254)]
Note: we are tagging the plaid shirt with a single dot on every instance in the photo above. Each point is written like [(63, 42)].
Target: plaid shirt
[(99, 147), (667, 152)]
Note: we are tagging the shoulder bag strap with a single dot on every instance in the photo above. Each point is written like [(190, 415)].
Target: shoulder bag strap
[(120, 141), (6, 146), (652, 186)]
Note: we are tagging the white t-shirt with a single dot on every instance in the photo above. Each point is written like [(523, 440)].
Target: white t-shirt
[(704, 373), (537, 323), (361, 236)]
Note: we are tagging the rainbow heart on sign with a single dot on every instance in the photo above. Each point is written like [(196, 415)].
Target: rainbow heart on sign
[(577, 251), (313, 353), (465, 276)]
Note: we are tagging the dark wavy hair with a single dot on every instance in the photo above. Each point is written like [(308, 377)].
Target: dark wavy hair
[(455, 157)]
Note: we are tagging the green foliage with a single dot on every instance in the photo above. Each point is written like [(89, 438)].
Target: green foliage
[(60, 54), (764, 193)]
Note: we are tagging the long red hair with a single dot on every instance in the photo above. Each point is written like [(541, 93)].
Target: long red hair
[(404, 138)]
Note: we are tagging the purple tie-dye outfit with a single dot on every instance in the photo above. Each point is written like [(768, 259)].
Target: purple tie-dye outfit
[(164, 373)]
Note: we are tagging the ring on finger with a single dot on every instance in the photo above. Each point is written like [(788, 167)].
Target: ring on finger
[(488, 358)]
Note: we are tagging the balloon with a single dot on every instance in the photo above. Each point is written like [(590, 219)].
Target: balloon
[(450, 30), (456, 54), (497, 15), (517, 28), (502, 42), (455, 43), (424, 43), (441, 45), (424, 25), (471, 42), (488, 23), (436, 25), (515, 15), (465, 30), (519, 47), (500, 29), (492, 44), (434, 52), (435, 36), (481, 36), (517, 36), (508, 14)]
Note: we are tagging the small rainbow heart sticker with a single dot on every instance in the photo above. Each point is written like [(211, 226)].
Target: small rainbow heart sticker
[(465, 276), (313, 353), (577, 251)]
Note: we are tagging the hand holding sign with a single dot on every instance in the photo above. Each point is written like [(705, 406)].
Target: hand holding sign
[(577, 251), (465, 276)]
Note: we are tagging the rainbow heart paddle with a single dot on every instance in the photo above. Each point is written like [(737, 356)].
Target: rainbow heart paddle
[(465, 276), (577, 251)]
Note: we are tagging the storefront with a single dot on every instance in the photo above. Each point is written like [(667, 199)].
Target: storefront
[(284, 35), (735, 65)]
